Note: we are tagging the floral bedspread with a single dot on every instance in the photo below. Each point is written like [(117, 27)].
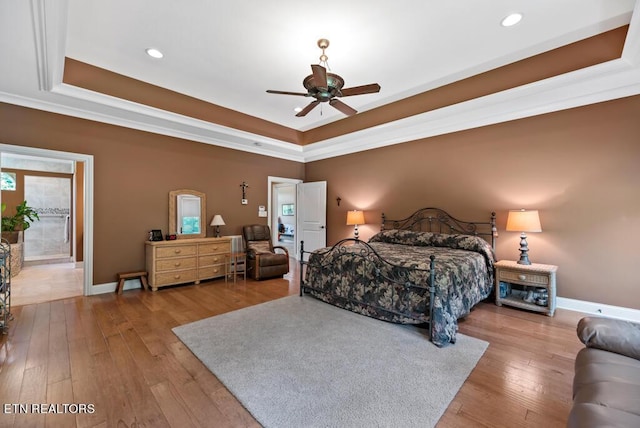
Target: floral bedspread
[(354, 278)]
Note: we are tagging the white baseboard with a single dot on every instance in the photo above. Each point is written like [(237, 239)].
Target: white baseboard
[(110, 287), (590, 308), (598, 309)]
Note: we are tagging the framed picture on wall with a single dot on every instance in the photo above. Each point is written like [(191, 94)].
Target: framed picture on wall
[(287, 209)]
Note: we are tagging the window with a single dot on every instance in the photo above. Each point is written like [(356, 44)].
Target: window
[(8, 181)]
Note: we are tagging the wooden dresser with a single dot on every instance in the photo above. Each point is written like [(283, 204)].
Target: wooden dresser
[(186, 260)]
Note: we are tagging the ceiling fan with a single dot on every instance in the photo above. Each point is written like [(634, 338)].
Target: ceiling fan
[(327, 87)]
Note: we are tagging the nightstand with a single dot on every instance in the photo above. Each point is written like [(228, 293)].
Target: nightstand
[(531, 287)]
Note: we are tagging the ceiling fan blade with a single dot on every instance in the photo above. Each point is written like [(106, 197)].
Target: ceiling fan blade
[(359, 90), (337, 104), (319, 76), (308, 108), (304, 94)]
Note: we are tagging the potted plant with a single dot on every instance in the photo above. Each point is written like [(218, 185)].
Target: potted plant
[(20, 221)]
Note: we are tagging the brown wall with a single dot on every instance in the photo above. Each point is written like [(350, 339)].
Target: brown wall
[(580, 168), (133, 174)]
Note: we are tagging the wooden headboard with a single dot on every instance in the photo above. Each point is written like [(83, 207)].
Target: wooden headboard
[(436, 220)]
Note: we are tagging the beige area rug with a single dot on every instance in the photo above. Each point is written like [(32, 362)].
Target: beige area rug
[(299, 362)]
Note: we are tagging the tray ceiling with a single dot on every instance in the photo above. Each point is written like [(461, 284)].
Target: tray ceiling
[(227, 54)]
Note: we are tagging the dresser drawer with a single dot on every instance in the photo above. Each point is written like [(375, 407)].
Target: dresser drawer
[(211, 272), (186, 261), (211, 260), (178, 250), (176, 263), (524, 278), (215, 248), (175, 277)]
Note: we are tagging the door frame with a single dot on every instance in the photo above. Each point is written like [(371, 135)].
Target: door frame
[(87, 236), (271, 181)]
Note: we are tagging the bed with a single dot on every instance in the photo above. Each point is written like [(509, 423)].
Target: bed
[(429, 268)]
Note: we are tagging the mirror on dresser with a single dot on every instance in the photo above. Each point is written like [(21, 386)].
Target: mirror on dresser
[(187, 213)]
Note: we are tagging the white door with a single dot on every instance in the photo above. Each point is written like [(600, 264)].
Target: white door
[(312, 215)]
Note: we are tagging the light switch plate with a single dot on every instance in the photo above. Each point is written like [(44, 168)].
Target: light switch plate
[(245, 202)]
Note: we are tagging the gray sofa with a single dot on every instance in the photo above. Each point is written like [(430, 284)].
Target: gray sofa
[(606, 385)]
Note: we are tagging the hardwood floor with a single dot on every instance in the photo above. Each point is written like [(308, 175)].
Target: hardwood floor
[(116, 355)]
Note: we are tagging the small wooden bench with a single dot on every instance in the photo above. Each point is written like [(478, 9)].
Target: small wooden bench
[(129, 275)]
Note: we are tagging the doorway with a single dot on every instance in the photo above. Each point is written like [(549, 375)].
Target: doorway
[(282, 199), (48, 240), (308, 221), (285, 206), (77, 271)]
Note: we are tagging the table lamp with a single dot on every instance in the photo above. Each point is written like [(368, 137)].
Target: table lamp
[(217, 222), (354, 218), (523, 221)]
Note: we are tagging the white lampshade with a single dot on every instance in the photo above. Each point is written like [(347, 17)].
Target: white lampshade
[(523, 221), (217, 220), (355, 217)]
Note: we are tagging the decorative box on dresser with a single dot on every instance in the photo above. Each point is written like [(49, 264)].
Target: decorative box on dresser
[(520, 281), (186, 260)]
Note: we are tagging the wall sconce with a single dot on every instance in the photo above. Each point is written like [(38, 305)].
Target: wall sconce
[(523, 221), (354, 218), (217, 222)]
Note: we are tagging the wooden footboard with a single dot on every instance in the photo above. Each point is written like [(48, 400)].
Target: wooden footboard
[(352, 275)]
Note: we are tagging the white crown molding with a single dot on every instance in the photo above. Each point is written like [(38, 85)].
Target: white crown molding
[(157, 121), (631, 50), (138, 116), (614, 79), (603, 82), (50, 29)]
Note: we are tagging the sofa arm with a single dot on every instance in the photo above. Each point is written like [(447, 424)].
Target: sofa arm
[(619, 336)]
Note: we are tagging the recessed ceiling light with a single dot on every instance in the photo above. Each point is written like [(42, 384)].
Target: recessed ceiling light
[(297, 109), (511, 19), (154, 53)]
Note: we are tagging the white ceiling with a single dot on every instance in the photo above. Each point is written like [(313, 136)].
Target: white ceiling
[(230, 53)]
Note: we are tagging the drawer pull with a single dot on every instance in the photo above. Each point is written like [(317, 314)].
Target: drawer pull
[(177, 251), (176, 264), (522, 277), (215, 259), (176, 277)]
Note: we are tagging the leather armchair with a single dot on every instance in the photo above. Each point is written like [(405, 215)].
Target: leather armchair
[(262, 259)]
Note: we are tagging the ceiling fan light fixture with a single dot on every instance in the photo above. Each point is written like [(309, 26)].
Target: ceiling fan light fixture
[(326, 87), (511, 19), (154, 53)]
